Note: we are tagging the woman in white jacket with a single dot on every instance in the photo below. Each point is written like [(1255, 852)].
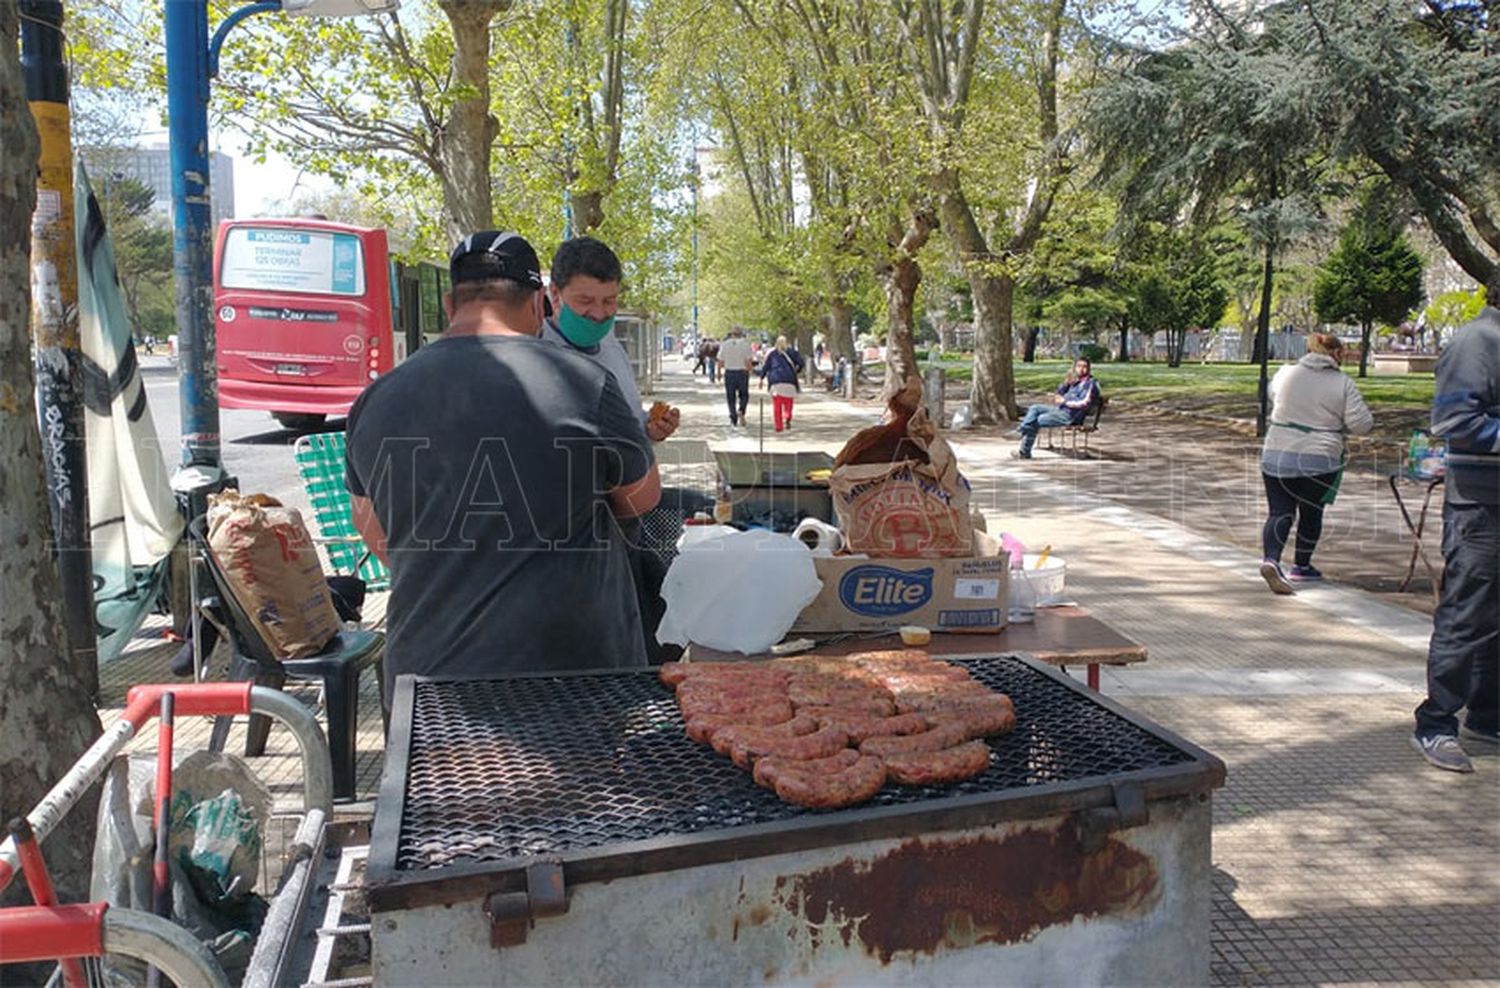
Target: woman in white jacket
[(1313, 405)]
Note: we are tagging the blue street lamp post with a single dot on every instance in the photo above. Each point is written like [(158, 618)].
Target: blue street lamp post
[(192, 60)]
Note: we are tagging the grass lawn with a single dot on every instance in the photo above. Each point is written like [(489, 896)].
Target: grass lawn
[(1400, 402)]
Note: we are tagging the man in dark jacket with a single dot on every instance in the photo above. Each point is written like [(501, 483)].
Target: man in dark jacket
[(1463, 658), (1075, 396)]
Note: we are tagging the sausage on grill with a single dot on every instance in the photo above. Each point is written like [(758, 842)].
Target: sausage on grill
[(701, 727), (981, 720), (772, 767), (752, 743), (854, 784), (933, 739), (724, 738), (859, 725), (935, 768)]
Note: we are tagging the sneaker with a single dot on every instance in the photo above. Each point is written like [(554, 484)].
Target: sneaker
[(1016, 454), (1304, 574), (1491, 736), (1270, 571), (1443, 751)]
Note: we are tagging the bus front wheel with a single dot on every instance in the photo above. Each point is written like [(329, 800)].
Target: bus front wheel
[(299, 420)]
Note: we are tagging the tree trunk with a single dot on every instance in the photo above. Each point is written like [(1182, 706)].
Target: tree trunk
[(994, 396), (46, 717), (1263, 341), (899, 279), (993, 292), (1033, 336), (1364, 347), (463, 146), (1124, 340), (840, 327), (900, 276), (588, 212), (1176, 341)]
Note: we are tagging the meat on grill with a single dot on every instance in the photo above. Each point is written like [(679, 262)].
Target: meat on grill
[(827, 732), (934, 768), (770, 768), (853, 785), (933, 739), (750, 743), (724, 738)]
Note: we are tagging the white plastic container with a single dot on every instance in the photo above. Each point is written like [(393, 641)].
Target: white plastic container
[(1046, 583)]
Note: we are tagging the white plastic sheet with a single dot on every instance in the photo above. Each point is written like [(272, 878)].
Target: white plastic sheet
[(737, 591)]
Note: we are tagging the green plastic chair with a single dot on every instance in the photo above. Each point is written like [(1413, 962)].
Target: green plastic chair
[(320, 460)]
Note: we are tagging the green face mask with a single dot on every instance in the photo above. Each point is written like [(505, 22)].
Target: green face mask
[(580, 330)]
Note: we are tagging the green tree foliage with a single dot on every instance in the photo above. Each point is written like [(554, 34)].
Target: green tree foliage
[(143, 253), (1373, 275), (1176, 290)]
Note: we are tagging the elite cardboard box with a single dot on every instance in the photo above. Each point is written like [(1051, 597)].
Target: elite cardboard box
[(864, 594)]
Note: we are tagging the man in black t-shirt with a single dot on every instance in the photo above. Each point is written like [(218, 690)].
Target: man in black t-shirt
[(488, 470)]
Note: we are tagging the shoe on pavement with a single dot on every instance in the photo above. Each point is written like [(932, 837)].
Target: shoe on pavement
[(1443, 751), (1304, 574), (1270, 571), (1491, 736), (1016, 454)]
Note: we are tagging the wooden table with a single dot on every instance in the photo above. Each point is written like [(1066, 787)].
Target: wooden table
[(1059, 636)]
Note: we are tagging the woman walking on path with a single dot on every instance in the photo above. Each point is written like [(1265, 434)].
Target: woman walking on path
[(1313, 405), (780, 371)]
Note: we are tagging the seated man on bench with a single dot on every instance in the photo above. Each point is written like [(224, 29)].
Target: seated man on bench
[(1070, 405)]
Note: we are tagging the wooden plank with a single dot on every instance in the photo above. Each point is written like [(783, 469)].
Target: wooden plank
[(1058, 636)]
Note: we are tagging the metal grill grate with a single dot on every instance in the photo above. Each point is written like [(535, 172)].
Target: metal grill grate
[(499, 769)]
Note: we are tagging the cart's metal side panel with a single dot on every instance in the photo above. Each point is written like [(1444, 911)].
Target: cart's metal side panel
[(1020, 902)]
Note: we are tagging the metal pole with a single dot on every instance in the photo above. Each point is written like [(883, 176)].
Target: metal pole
[(695, 248), (186, 23), (161, 875), (59, 350)]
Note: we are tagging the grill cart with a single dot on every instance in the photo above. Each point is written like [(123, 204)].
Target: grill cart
[(562, 829)]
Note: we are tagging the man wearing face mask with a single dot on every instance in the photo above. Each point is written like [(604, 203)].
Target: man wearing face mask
[(585, 295), (484, 470)]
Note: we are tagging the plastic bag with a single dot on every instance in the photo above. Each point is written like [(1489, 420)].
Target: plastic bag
[(737, 592), (219, 811)]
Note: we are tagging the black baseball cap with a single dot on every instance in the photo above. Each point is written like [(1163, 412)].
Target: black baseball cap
[(492, 254)]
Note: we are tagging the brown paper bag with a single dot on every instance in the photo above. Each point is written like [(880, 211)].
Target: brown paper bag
[(897, 490), (273, 569)]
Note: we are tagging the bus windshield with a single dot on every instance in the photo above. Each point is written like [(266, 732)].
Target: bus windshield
[(304, 262)]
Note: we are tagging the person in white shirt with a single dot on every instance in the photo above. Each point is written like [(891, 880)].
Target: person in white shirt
[(1314, 405), (736, 360)]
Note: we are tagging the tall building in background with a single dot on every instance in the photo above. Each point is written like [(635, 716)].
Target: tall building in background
[(152, 166)]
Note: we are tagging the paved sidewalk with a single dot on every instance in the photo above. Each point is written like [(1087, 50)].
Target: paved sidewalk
[(1339, 856)]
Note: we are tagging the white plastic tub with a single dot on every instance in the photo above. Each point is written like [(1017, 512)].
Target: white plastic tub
[(1044, 585)]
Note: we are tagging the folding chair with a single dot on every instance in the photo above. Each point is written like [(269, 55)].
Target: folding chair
[(336, 667), (1430, 472), (320, 460)]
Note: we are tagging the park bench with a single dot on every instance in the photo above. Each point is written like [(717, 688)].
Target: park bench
[(1086, 428)]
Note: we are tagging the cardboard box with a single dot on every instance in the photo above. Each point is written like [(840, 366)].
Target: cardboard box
[(861, 594)]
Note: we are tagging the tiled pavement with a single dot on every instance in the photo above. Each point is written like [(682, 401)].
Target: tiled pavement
[(1339, 857)]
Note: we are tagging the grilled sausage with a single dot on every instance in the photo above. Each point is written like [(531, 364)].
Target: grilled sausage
[(867, 700), (854, 784), (702, 726), (860, 725), (723, 738), (933, 739), (752, 743), (919, 701), (935, 768), (772, 767), (981, 720), (729, 703)]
